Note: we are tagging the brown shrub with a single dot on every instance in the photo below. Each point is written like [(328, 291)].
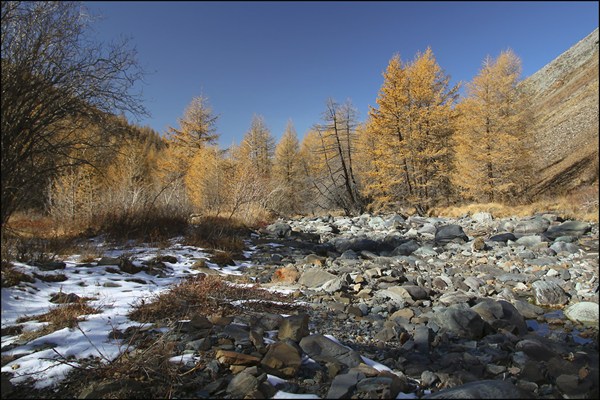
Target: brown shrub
[(207, 295), (12, 277), (59, 317), (218, 233)]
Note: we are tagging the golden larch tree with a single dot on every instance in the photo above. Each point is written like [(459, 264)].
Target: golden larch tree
[(288, 179), (493, 141), (409, 134)]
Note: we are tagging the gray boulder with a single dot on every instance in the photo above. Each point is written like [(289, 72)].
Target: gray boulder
[(549, 293), (568, 228), (279, 229), (461, 321), (343, 385), (584, 312), (503, 237), (532, 226), (450, 233), (321, 348), (501, 315)]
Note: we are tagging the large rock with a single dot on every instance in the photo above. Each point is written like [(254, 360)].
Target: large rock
[(482, 217), (282, 360), (279, 230), (584, 312), (314, 278), (460, 320), (241, 385), (486, 389), (344, 384), (321, 348), (294, 327), (568, 228), (549, 293), (503, 237), (406, 249), (501, 315), (450, 233), (532, 226), (234, 358)]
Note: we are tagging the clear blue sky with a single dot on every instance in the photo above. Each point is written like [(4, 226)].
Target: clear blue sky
[(284, 59)]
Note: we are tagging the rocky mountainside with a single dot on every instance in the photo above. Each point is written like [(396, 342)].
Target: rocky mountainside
[(565, 117)]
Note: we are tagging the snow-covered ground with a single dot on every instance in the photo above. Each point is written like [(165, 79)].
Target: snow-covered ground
[(112, 293)]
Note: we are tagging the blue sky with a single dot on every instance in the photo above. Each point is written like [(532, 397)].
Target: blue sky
[(282, 60)]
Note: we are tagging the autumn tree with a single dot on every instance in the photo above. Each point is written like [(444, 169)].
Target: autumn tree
[(207, 180), (257, 148), (331, 148), (493, 141), (56, 80), (288, 178), (197, 129), (409, 134)]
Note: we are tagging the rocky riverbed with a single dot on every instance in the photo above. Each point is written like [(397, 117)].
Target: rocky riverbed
[(396, 307), (445, 302)]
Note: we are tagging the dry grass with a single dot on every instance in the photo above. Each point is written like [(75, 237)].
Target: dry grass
[(218, 233), (148, 226), (579, 205), (12, 277), (206, 295), (59, 317)]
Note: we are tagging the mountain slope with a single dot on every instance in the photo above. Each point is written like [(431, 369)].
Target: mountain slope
[(565, 119)]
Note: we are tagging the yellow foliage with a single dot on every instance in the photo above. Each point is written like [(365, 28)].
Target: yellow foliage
[(493, 141), (408, 135)]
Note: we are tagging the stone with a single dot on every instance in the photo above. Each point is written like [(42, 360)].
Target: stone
[(584, 312), (501, 315), (270, 321), (531, 226), (282, 360), (234, 358), (279, 230), (503, 237), (485, 389), (534, 349), (456, 297), (527, 310), (321, 348), (560, 247), (127, 266), (406, 249), (529, 241), (450, 233), (50, 265), (241, 385), (568, 228), (356, 244), (294, 327), (573, 387), (549, 293), (482, 217), (108, 261), (240, 334), (315, 277), (343, 385), (460, 320)]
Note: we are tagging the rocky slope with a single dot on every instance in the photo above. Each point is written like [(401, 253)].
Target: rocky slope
[(565, 118)]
